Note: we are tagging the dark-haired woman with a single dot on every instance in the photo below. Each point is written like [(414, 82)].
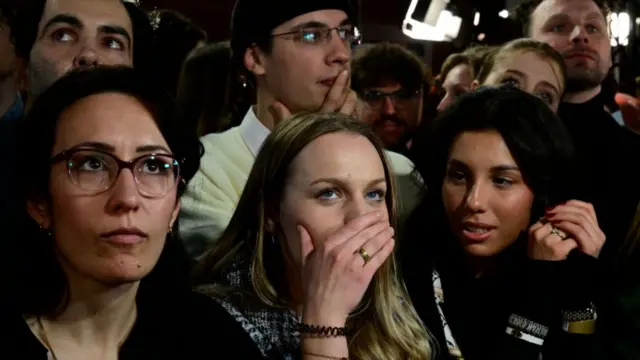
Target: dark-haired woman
[(511, 254), (102, 164)]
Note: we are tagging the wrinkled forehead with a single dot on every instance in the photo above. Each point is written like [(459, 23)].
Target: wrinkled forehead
[(90, 14)]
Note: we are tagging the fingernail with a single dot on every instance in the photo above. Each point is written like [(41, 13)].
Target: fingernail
[(345, 72), (548, 209)]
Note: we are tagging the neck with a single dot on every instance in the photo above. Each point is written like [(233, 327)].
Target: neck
[(96, 315), (582, 96), (481, 266), (8, 92), (264, 100)]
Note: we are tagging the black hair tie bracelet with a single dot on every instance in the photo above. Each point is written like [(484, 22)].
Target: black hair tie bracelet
[(317, 330)]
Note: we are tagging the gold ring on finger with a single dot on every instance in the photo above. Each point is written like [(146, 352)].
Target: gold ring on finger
[(560, 233), (364, 254)]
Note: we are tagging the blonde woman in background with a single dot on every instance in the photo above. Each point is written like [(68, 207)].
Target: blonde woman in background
[(306, 264), (530, 65)]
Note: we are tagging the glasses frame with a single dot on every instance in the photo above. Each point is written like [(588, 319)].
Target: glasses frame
[(355, 41), (122, 164), (391, 96)]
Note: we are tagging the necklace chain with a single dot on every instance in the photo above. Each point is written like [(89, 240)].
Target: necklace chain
[(45, 339)]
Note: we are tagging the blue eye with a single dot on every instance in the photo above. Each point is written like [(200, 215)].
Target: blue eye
[(376, 195), (328, 194)]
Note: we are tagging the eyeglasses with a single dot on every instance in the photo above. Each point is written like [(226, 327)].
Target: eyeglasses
[(318, 36), (400, 99), (97, 171)]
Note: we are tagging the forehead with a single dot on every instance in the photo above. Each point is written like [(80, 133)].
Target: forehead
[(386, 86), (330, 18), (481, 148), (460, 74), (91, 13), (572, 8), (341, 155), (107, 117), (531, 62)]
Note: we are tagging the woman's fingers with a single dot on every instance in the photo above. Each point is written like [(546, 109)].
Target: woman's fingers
[(379, 258), (353, 228), (373, 245)]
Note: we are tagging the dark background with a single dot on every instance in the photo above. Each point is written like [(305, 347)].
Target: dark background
[(381, 20)]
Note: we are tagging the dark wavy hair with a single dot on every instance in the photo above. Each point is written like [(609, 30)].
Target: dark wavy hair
[(537, 139), (41, 286)]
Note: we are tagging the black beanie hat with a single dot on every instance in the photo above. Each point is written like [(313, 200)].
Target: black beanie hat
[(255, 19)]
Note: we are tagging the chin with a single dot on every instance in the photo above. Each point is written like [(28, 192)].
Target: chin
[(123, 272), (482, 250)]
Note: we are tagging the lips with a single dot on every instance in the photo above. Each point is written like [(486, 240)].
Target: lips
[(328, 82), (476, 231), (124, 236), (580, 53)]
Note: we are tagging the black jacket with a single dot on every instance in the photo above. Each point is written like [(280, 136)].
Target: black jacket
[(478, 309), (174, 326)]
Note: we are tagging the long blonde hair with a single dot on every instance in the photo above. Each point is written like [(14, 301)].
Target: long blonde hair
[(385, 325)]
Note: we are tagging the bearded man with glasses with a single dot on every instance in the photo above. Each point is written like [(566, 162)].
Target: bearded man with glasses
[(390, 80), (296, 55)]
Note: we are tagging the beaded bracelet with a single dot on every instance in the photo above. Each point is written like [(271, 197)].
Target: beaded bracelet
[(330, 331)]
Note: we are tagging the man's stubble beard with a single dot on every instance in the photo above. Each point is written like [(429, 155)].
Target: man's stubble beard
[(584, 79), (42, 74)]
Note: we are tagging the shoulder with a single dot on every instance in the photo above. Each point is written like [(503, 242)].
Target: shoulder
[(214, 139), (200, 325), (400, 164), (213, 323), (17, 340), (227, 150)]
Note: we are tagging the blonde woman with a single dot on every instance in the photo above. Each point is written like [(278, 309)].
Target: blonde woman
[(530, 65), (306, 264)]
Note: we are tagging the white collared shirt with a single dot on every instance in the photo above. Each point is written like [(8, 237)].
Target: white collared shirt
[(253, 132)]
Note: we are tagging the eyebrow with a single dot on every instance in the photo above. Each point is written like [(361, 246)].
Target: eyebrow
[(116, 30), (63, 19), (337, 181), (110, 148), (494, 169), (75, 22), (595, 15), (318, 24), (515, 72), (551, 86)]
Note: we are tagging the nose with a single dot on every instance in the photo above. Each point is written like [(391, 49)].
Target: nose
[(88, 57), (445, 102), (579, 34), (356, 207), (476, 200), (124, 195), (387, 107), (340, 51)]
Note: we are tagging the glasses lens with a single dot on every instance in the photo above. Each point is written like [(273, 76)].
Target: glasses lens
[(92, 170), (156, 175)]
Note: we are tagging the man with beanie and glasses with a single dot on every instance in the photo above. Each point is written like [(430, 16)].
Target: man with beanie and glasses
[(297, 55)]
